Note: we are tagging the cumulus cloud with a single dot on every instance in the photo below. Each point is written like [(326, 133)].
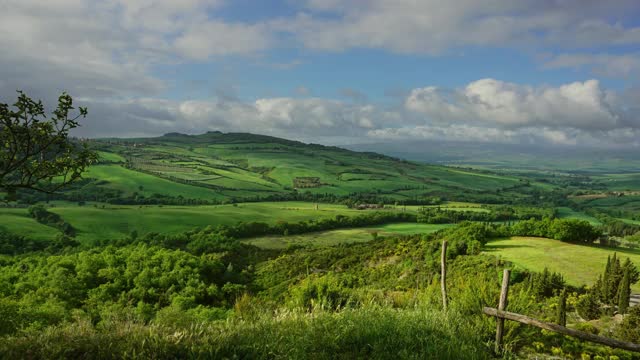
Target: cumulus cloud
[(582, 105), (486, 110), (304, 119)]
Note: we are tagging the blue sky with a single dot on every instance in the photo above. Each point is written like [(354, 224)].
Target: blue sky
[(337, 72)]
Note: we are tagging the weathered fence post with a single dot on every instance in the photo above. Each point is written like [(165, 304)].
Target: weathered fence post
[(504, 292), (443, 274)]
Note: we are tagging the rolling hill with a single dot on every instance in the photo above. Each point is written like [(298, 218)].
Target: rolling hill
[(239, 166)]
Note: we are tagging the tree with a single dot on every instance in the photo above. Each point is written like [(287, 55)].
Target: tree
[(36, 152), (624, 292), (561, 316)]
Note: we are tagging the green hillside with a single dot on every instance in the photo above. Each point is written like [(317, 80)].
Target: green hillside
[(238, 166)]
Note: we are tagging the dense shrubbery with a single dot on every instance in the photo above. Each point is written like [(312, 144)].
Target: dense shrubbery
[(11, 244), (40, 290), (569, 230), (436, 215)]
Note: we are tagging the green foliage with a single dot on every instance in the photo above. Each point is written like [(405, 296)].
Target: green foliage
[(45, 217), (437, 215), (561, 316), (569, 230), (367, 333), (545, 284), (630, 328), (624, 292), (615, 284), (34, 150), (96, 281), (588, 306)]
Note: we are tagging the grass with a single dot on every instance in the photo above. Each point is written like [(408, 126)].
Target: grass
[(579, 264), (18, 221), (343, 236), (566, 212), (118, 221), (364, 333), (108, 222), (130, 181)]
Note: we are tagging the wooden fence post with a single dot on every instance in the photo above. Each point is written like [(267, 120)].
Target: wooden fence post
[(504, 292), (443, 274)]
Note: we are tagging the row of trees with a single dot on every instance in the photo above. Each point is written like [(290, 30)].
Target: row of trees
[(569, 230)]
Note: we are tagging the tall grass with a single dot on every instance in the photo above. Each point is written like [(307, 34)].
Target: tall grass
[(370, 332)]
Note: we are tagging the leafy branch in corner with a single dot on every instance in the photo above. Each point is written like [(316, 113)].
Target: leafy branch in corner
[(37, 152)]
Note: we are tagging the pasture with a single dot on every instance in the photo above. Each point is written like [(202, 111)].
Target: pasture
[(579, 264), (566, 212), (343, 236), (105, 222)]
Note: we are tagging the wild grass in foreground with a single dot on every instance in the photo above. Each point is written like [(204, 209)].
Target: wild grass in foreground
[(370, 332)]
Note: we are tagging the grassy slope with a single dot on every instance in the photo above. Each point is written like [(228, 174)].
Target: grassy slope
[(342, 236), (245, 165), (565, 212), (18, 221), (579, 264), (118, 221), (130, 181)]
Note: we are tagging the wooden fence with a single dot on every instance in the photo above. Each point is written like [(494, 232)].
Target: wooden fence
[(501, 315)]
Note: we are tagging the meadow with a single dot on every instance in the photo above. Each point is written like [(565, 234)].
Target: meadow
[(567, 212), (579, 264), (343, 236), (108, 222), (97, 221)]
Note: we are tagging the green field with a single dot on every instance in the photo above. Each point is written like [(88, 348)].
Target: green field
[(579, 264), (18, 221), (343, 236), (106, 222), (566, 212), (118, 221)]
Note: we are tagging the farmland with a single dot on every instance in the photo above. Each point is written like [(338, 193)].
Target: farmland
[(216, 166)]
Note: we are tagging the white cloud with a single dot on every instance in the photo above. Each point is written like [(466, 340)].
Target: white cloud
[(307, 118), (582, 105), (609, 65), (213, 38), (108, 48), (433, 27), (486, 110)]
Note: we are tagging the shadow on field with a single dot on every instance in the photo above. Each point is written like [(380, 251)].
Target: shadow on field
[(505, 246)]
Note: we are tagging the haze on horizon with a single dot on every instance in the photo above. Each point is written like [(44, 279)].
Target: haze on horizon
[(335, 72)]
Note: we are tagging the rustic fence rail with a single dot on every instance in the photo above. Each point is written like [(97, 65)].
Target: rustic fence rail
[(501, 315)]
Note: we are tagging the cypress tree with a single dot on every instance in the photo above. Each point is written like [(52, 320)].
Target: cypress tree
[(605, 283), (624, 292), (561, 316)]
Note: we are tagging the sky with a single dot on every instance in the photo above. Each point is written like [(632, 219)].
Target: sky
[(548, 72)]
